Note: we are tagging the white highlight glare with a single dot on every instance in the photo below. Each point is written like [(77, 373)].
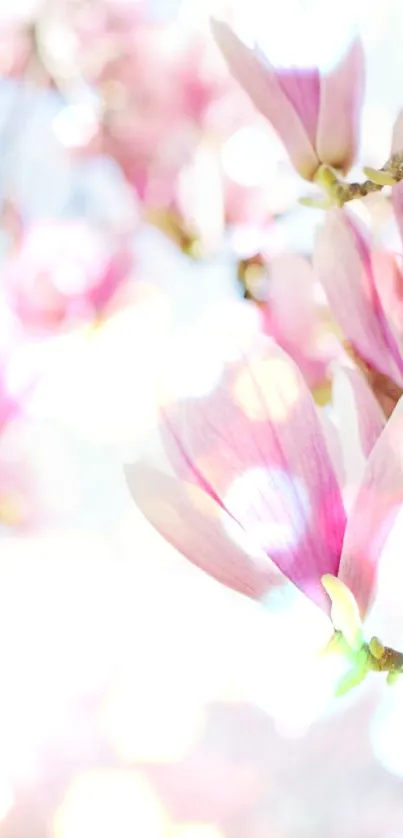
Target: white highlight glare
[(271, 505), (301, 684), (386, 732), (194, 369), (248, 156), (75, 125), (297, 32), (106, 803), (70, 278)]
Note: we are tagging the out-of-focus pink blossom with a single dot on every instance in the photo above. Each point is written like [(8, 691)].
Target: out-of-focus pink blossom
[(316, 116), (38, 485), (37, 488), (255, 497), (16, 49), (296, 319), (167, 97), (64, 273), (364, 290)]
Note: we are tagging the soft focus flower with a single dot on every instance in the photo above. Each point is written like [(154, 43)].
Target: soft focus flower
[(38, 480), (258, 501), (316, 116), (364, 291), (64, 272), (296, 319), (32, 460)]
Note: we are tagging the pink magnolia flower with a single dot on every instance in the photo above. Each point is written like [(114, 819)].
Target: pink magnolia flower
[(255, 499), (316, 116), (364, 291), (64, 272)]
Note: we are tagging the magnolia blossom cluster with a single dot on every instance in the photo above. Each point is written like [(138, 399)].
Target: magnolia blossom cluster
[(259, 487), (115, 123), (181, 217)]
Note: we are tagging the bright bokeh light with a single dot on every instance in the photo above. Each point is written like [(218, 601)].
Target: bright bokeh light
[(197, 830), (267, 390), (107, 802), (272, 506), (55, 649), (297, 32), (280, 665), (121, 357), (194, 369), (249, 156), (196, 366), (75, 125), (143, 729)]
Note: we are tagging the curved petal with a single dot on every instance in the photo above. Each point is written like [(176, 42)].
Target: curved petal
[(359, 416), (272, 98), (388, 277), (192, 522), (302, 88), (397, 134), (384, 390), (359, 421), (255, 444), (397, 202), (333, 443), (397, 191), (342, 261), (341, 97), (352, 390), (377, 505)]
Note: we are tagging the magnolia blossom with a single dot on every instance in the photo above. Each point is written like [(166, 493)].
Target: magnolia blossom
[(364, 290), (256, 499), (169, 105), (316, 116), (64, 272)]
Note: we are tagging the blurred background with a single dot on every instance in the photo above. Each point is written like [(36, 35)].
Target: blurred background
[(141, 196)]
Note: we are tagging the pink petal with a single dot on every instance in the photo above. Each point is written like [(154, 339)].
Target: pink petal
[(255, 444), (341, 97), (333, 444), (397, 191), (349, 386), (273, 98), (397, 202), (359, 422), (291, 289), (376, 507), (302, 89), (397, 134), (389, 283), (292, 317), (342, 261), (195, 525)]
